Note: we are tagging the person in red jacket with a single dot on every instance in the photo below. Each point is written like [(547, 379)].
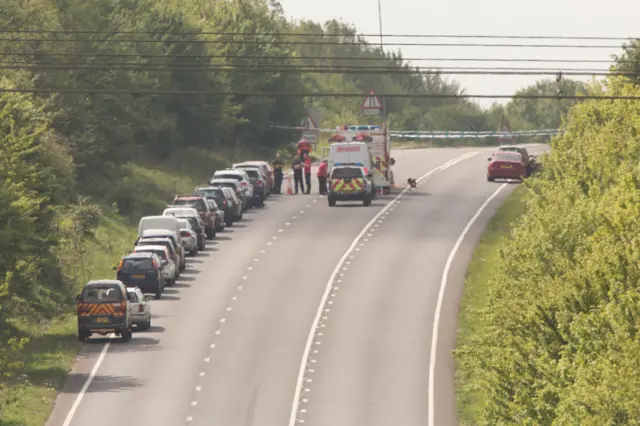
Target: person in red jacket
[(322, 177), (307, 172)]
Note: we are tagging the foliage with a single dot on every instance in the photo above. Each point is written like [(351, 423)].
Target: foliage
[(77, 168), (559, 343)]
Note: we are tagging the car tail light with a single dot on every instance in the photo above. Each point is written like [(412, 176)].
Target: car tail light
[(244, 183), (140, 308), (185, 234), (224, 203), (155, 265), (259, 183), (120, 264)]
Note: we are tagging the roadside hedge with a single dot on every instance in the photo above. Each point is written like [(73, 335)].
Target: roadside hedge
[(560, 342)]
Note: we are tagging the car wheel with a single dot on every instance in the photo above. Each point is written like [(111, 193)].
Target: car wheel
[(490, 179), (366, 202), (126, 335), (193, 252), (332, 201), (228, 221), (158, 293), (201, 244), (82, 336), (149, 323), (219, 228)]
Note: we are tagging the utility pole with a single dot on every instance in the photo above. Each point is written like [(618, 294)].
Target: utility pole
[(384, 106), (380, 21)]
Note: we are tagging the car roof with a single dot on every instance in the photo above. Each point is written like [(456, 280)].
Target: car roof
[(139, 254), (208, 188), (159, 232), (224, 180), (507, 153), (151, 247), (98, 282), (511, 147), (229, 171), (188, 197), (187, 211)]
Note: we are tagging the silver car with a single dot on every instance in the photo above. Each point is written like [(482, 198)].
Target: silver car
[(140, 308), (188, 236)]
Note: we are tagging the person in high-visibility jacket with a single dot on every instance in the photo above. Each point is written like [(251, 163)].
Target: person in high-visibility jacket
[(322, 177)]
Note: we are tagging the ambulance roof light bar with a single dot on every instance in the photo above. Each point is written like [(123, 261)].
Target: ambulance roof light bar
[(349, 164)]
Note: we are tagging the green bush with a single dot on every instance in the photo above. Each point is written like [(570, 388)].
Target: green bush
[(560, 334)]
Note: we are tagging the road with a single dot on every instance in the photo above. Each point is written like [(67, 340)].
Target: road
[(230, 342)]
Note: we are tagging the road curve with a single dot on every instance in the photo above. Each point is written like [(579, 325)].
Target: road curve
[(228, 339)]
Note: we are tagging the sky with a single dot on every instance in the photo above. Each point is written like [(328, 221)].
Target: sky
[(573, 18)]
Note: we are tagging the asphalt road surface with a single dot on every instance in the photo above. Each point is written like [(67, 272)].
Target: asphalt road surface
[(286, 318)]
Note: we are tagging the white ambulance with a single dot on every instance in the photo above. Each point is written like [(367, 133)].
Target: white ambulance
[(372, 152)]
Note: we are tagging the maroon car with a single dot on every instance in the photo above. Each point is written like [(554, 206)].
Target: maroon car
[(199, 203)]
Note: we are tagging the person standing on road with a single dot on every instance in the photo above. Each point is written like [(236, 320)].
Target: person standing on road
[(297, 174), (307, 172), (322, 177), (278, 164)]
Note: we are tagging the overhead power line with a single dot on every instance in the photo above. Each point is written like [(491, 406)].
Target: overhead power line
[(319, 58), (306, 70), (295, 67), (295, 34), (301, 94), (312, 43)]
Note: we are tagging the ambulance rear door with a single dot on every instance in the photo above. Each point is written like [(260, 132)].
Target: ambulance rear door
[(349, 153)]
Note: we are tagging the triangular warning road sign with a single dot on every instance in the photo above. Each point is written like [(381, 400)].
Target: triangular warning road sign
[(371, 102), (308, 123)]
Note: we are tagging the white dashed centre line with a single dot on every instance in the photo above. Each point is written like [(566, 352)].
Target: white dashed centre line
[(324, 302)]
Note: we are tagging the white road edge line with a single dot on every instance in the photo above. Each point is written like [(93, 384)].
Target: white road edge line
[(443, 287), (83, 391), (314, 326)]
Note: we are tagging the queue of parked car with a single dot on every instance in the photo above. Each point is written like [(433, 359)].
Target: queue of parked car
[(159, 255)]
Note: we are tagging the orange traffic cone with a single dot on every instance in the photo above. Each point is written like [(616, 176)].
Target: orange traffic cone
[(289, 187)]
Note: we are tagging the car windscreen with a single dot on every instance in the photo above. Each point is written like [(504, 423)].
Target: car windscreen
[(194, 223), (208, 193), (507, 157), (134, 265), (101, 293), (160, 253), (229, 176), (226, 184), (198, 204), (253, 173), (133, 297), (347, 172), (166, 243), (509, 149)]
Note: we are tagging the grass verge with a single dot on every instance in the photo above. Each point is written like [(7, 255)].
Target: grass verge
[(26, 398), (475, 298)]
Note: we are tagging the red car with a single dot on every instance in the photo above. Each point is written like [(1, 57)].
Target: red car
[(506, 165), (200, 204)]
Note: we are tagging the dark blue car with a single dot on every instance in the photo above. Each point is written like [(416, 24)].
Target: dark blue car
[(142, 270)]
